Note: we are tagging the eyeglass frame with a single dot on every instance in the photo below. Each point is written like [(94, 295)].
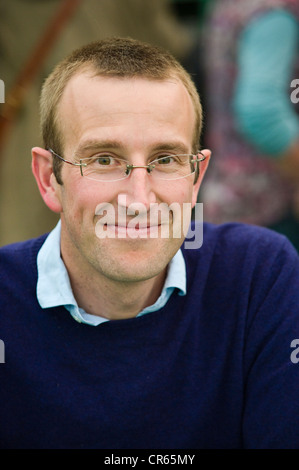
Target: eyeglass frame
[(132, 167)]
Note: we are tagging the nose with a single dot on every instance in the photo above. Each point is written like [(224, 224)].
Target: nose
[(140, 188)]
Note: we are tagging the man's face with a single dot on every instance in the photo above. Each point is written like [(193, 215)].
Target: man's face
[(137, 120)]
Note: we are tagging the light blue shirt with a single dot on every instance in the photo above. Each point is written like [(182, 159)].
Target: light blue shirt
[(54, 287)]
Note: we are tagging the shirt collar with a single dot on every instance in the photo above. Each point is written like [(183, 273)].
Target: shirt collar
[(54, 288)]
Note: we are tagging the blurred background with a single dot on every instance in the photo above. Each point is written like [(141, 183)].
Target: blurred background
[(242, 54)]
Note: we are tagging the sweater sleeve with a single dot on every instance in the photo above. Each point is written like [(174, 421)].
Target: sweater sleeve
[(271, 363), (262, 104)]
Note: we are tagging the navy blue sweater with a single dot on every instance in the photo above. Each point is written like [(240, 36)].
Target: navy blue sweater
[(209, 370)]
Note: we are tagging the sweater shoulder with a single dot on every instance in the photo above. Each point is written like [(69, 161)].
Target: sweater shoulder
[(238, 236), (241, 269), (19, 257), (231, 244), (15, 249)]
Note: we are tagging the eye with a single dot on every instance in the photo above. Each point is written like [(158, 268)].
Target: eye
[(104, 160), (165, 160)]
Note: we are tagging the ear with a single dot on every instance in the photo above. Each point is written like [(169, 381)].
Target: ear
[(202, 169), (42, 169)]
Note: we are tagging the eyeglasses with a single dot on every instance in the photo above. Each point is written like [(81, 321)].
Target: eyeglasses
[(105, 167)]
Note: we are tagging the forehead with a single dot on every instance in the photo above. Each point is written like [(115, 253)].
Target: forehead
[(97, 106)]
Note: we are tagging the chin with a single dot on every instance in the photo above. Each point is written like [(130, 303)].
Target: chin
[(134, 260), (132, 268)]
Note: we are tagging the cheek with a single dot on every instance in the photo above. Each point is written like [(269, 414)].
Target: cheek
[(194, 196), (80, 198), (182, 192), (180, 199)]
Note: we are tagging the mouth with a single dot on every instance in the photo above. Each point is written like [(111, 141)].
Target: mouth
[(131, 230), (134, 221)]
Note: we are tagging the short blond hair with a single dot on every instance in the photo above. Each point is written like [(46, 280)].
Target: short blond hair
[(115, 57)]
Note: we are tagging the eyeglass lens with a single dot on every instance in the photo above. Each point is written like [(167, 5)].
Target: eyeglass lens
[(108, 168)]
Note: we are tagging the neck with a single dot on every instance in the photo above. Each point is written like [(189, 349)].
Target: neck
[(115, 300), (107, 296)]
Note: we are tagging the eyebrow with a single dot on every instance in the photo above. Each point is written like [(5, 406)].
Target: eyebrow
[(97, 145), (177, 146)]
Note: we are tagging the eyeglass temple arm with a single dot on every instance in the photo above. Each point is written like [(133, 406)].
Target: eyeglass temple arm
[(67, 161), (195, 160)]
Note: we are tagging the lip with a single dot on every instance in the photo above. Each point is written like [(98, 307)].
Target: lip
[(136, 227), (138, 231)]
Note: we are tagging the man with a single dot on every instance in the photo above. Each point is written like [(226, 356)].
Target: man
[(71, 24), (118, 334)]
